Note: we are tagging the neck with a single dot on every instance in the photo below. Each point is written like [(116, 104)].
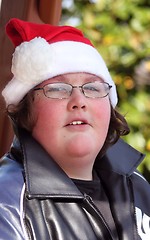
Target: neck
[(77, 169)]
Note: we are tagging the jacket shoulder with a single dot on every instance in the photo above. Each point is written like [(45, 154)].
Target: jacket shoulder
[(141, 193), (141, 190)]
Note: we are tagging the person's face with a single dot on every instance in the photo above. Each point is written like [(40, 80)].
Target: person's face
[(73, 128)]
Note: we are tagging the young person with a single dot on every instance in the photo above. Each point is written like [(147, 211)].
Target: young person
[(68, 175)]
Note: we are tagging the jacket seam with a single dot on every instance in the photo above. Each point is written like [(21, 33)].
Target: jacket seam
[(132, 207), (22, 213)]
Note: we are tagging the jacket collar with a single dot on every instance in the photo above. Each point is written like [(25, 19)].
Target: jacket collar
[(120, 158), (43, 176), (40, 182)]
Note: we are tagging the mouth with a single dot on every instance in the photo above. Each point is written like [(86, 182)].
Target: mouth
[(77, 123)]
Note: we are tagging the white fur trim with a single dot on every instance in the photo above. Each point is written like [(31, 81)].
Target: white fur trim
[(37, 60)]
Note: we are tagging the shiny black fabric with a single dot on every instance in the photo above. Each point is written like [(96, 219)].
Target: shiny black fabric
[(54, 208)]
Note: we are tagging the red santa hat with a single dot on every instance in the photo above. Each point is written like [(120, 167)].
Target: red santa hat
[(43, 51)]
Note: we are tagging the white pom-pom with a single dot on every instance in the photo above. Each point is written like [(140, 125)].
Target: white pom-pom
[(32, 60)]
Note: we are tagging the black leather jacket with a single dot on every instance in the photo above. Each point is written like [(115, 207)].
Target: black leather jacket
[(38, 200)]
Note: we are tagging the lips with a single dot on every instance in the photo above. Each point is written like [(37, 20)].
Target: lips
[(76, 123)]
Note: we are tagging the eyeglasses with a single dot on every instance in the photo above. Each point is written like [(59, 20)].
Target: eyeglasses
[(61, 90)]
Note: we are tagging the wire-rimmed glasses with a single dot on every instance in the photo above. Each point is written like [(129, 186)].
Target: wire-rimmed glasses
[(60, 90)]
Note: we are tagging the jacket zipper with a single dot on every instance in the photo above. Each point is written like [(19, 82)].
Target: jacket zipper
[(88, 199)]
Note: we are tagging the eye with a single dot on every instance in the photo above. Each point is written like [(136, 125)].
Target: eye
[(51, 89), (55, 88), (96, 89), (93, 87)]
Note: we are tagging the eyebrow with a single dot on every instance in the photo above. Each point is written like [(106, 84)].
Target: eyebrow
[(65, 79), (60, 78), (87, 79)]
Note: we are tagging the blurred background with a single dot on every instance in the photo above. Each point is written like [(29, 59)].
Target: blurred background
[(120, 30)]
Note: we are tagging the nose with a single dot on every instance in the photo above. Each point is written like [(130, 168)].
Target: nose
[(77, 100)]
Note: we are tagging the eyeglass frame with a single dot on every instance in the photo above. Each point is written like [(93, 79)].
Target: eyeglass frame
[(81, 87)]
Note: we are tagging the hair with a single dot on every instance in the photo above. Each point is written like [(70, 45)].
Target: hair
[(22, 116), (118, 127)]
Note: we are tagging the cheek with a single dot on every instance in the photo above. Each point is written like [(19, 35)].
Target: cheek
[(48, 115), (103, 110), (102, 114)]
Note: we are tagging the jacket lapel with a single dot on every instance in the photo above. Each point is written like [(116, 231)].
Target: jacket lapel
[(44, 178)]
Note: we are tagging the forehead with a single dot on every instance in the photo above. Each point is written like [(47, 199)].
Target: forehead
[(73, 78)]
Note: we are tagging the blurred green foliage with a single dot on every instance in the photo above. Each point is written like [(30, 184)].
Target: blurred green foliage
[(120, 30)]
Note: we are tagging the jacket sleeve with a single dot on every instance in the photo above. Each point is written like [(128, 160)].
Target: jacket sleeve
[(141, 191), (11, 182)]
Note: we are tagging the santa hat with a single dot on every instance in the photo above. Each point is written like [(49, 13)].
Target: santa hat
[(43, 51)]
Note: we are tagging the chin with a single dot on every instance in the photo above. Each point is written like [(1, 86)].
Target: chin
[(82, 149)]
